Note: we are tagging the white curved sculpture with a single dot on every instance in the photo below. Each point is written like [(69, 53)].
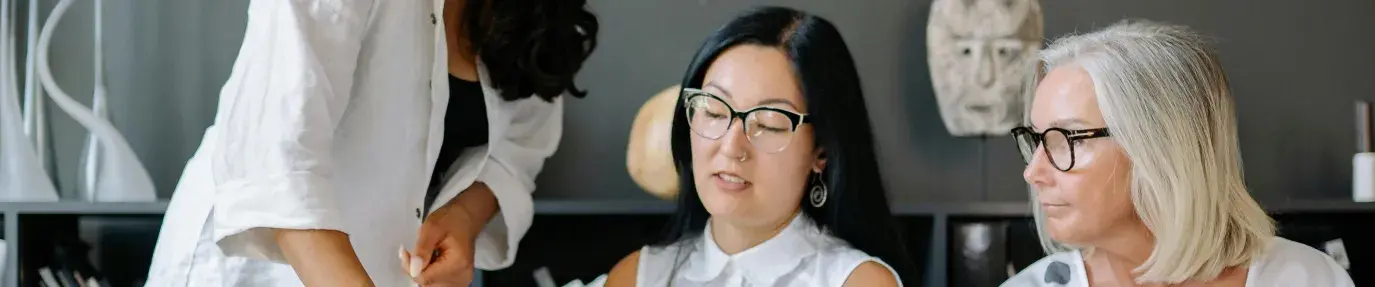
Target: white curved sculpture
[(118, 175), (981, 53), (22, 177), (35, 112), (92, 161)]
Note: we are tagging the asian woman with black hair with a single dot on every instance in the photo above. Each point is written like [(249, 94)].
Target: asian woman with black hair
[(779, 181)]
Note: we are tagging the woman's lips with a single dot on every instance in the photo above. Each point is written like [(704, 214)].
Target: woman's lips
[(730, 182)]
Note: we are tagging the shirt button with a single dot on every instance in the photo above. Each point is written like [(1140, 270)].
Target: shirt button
[(417, 213), (433, 21)]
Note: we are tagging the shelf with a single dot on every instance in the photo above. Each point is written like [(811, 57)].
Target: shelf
[(84, 208), (659, 207), (982, 208), (1005, 208), (602, 207), (1319, 206), (653, 207)]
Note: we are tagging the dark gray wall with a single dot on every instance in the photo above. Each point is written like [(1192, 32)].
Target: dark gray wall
[(1296, 68)]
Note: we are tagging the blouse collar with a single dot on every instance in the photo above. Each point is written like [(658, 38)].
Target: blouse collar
[(763, 263)]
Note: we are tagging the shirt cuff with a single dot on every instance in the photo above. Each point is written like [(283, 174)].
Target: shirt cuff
[(497, 244), (246, 212)]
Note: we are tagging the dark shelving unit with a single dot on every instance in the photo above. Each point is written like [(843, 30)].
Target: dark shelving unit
[(930, 222)]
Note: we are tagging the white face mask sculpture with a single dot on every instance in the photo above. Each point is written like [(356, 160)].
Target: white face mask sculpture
[(981, 53)]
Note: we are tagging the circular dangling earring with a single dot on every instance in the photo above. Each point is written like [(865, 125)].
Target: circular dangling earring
[(818, 192)]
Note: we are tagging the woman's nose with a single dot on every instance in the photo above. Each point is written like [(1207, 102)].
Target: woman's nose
[(1038, 170), (734, 143)]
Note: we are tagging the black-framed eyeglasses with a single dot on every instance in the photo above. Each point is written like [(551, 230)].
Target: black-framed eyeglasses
[(769, 129), (1059, 143)]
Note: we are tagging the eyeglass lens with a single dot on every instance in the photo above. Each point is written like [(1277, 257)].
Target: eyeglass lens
[(1057, 147), (767, 130)]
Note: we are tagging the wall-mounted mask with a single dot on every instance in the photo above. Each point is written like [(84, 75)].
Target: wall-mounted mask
[(981, 53)]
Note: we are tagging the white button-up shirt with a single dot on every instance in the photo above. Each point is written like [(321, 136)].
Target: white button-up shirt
[(1285, 263), (332, 119), (800, 255)]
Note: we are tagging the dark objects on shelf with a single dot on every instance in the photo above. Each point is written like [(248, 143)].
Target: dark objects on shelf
[(71, 263), (978, 253), (116, 248), (987, 251), (576, 247)]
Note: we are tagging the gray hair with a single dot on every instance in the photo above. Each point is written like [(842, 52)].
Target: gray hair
[(1166, 99)]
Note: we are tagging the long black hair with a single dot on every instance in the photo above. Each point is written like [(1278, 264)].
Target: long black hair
[(856, 210), (532, 47)]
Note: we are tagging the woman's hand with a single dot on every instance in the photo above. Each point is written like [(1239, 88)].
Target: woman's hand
[(444, 248)]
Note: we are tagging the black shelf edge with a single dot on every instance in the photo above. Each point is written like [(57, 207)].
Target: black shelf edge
[(958, 209), (602, 207), (1318, 206), (974, 208), (660, 207), (84, 208)]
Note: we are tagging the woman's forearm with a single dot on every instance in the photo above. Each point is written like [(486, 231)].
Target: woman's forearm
[(322, 257), (480, 204)]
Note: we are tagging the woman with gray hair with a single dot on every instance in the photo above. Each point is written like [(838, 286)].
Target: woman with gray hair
[(1133, 160)]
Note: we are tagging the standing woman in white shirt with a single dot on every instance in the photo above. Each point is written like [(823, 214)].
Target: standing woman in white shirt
[(1134, 161), (779, 182), (350, 129)]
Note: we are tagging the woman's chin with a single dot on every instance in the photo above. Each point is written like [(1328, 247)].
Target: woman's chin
[(721, 207), (1062, 232)]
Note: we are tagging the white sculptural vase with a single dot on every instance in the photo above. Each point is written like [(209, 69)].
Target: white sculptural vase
[(22, 176), (115, 175)]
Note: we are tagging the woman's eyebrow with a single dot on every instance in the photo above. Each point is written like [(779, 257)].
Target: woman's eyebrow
[(1069, 123), (724, 92), (779, 101)]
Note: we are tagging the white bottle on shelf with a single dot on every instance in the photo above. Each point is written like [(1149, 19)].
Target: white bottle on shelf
[(1363, 177), (1363, 163)]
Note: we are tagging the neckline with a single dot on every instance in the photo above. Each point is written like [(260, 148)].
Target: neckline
[(762, 263), (453, 78)]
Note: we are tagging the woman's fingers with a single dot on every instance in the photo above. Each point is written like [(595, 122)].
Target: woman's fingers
[(454, 265), (406, 262), (430, 237)]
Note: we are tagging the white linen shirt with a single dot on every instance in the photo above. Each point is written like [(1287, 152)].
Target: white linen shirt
[(332, 118), (1285, 263), (800, 255)]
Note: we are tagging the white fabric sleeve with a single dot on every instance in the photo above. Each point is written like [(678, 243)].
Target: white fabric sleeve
[(1290, 263), (278, 113), (514, 161)]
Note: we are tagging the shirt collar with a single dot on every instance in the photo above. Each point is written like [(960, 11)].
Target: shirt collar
[(763, 263)]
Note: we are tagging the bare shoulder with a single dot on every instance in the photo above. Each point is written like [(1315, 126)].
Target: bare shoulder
[(871, 274), (625, 271)]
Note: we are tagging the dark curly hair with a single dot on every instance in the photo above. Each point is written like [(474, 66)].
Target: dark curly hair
[(532, 47)]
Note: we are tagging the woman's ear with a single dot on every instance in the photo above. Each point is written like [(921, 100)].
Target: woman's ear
[(820, 163)]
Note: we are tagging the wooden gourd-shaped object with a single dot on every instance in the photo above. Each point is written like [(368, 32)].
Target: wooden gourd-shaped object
[(649, 158)]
